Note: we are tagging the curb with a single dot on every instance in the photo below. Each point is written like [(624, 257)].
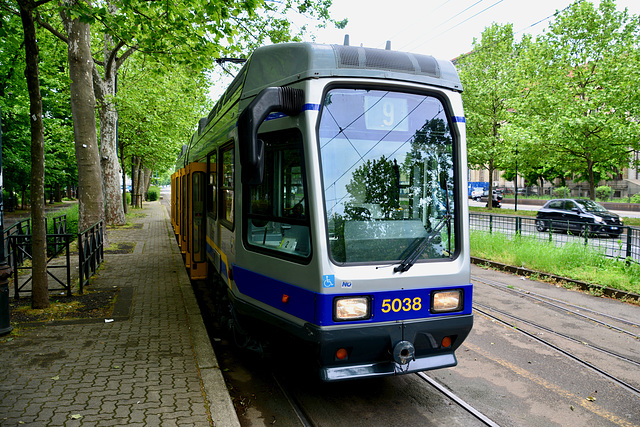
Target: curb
[(213, 385)]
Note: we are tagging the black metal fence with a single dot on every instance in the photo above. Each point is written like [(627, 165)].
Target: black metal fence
[(625, 246), (21, 228), (20, 240), (18, 248), (91, 251)]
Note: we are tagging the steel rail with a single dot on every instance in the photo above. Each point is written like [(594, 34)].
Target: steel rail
[(588, 365), (295, 405), (458, 400), (560, 334), (541, 298)]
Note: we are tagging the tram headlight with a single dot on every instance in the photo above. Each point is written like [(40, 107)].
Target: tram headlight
[(446, 301), (351, 308)]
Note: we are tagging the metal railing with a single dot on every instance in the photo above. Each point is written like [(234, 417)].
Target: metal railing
[(625, 246), (91, 252), (21, 228), (59, 229), (21, 248)]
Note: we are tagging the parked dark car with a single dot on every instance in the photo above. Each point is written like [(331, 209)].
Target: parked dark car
[(496, 199), (578, 215)]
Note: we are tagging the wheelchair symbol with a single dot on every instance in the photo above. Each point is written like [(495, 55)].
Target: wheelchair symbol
[(328, 281)]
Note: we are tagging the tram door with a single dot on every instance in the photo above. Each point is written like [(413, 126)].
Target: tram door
[(184, 207), (196, 251)]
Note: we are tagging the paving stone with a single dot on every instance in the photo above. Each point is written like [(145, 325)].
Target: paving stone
[(140, 371)]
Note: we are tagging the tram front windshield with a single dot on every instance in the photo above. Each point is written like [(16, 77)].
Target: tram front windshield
[(388, 173)]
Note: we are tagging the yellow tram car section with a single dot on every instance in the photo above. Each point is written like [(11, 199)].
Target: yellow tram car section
[(188, 216)]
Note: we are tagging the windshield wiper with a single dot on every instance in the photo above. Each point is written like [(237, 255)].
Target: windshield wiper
[(411, 259), (413, 256)]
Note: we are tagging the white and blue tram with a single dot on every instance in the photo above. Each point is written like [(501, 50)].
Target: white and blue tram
[(327, 192)]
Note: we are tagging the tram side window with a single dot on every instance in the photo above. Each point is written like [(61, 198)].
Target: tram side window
[(212, 186), (227, 186), (277, 217)]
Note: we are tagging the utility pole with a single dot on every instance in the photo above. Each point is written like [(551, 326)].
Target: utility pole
[(5, 270)]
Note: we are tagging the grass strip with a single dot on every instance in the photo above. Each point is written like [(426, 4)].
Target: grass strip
[(574, 261)]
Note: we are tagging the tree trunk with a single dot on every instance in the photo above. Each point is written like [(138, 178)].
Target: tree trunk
[(124, 181), (40, 287), (490, 196), (140, 184), (137, 178), (114, 212), (57, 192), (147, 181), (90, 195)]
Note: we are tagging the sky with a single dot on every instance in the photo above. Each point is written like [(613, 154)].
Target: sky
[(444, 29), (441, 28)]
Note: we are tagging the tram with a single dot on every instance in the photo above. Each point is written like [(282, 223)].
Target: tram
[(325, 193)]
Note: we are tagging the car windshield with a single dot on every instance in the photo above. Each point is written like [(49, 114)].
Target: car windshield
[(387, 163), (591, 206)]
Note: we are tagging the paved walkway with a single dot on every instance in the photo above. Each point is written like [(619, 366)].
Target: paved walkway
[(154, 367)]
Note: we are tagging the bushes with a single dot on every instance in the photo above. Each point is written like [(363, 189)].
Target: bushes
[(603, 193), (561, 192), (153, 194), (635, 198)]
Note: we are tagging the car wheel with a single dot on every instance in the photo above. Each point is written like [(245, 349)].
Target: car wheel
[(586, 230), (540, 225)]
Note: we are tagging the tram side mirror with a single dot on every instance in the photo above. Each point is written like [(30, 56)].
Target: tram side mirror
[(281, 99)]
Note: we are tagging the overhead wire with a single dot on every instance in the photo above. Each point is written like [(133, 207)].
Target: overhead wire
[(409, 27), (458, 24), (475, 15), (448, 20)]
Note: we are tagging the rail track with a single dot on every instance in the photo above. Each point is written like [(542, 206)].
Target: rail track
[(565, 306), (535, 329), (306, 420)]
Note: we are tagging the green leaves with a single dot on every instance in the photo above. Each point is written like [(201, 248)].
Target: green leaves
[(564, 99), (158, 108)]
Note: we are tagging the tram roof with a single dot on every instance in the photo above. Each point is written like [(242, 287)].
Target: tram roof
[(285, 63)]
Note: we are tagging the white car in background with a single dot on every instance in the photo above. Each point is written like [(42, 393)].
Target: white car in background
[(476, 193)]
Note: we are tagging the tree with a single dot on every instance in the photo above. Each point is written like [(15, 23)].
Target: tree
[(487, 75), (575, 91), (370, 185), (90, 195), (58, 129), (39, 294), (14, 98), (158, 106), (191, 32)]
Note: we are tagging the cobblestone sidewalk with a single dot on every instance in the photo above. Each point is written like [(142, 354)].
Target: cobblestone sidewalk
[(156, 368)]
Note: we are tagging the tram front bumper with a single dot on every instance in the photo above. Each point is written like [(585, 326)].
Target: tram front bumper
[(391, 349)]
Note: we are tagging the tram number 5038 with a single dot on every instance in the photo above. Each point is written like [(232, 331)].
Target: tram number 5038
[(396, 305)]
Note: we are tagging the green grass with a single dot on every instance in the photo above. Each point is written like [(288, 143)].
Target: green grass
[(574, 261), (72, 219)]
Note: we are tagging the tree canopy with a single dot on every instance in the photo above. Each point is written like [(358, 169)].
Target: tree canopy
[(563, 99), (487, 74)]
